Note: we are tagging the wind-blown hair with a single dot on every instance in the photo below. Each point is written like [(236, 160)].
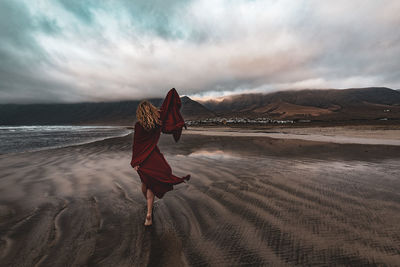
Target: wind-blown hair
[(148, 115)]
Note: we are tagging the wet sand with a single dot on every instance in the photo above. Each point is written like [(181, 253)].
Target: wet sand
[(251, 201), (370, 135)]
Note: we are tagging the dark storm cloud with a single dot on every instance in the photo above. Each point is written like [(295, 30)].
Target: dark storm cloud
[(21, 55), (66, 51)]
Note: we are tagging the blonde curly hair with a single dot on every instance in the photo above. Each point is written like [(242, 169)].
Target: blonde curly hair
[(148, 115)]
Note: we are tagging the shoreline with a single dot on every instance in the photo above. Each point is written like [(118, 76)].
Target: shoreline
[(259, 144), (67, 144), (364, 135)]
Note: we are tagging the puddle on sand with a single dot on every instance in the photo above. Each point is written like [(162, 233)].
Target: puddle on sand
[(214, 154)]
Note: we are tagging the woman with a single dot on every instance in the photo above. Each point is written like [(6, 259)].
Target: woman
[(154, 171)]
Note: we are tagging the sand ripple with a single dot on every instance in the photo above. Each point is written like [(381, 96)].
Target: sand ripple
[(250, 202)]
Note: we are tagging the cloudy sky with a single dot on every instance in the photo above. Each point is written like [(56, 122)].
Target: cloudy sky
[(99, 50)]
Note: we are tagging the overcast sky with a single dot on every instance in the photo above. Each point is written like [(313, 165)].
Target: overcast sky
[(75, 50)]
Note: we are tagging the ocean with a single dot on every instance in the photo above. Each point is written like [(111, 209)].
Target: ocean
[(14, 139)]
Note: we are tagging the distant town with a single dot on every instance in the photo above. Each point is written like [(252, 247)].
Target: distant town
[(237, 120)]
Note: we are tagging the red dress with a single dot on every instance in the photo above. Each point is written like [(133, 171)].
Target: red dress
[(154, 171)]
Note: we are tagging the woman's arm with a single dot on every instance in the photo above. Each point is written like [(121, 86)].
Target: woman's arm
[(170, 116), (171, 103)]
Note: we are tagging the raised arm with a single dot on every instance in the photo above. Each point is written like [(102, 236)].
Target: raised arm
[(171, 101), (170, 115)]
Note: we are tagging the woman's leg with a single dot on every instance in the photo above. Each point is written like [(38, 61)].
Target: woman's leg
[(144, 190), (150, 201)]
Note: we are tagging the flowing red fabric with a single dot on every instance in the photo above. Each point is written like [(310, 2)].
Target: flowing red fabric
[(154, 171)]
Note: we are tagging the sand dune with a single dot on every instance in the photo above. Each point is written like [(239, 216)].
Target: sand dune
[(251, 201)]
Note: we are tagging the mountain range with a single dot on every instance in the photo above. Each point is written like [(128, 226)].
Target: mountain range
[(323, 104), (103, 113)]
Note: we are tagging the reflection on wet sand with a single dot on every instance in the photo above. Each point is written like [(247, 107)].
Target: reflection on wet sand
[(251, 201), (213, 154), (337, 135)]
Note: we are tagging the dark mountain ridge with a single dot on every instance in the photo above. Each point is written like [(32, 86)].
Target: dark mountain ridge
[(194, 110), (103, 113)]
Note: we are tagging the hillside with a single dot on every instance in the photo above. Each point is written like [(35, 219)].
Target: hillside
[(330, 104), (194, 110)]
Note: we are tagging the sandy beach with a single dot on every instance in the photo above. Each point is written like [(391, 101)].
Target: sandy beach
[(361, 134), (253, 200)]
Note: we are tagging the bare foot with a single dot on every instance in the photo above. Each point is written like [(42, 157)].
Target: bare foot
[(186, 178), (148, 220)]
